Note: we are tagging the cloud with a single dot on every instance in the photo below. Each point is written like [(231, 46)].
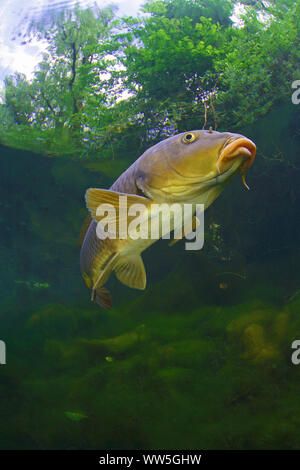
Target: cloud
[(18, 57)]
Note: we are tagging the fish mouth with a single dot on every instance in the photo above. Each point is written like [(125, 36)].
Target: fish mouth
[(238, 147)]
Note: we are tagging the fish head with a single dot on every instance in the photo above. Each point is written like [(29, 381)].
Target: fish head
[(195, 165)]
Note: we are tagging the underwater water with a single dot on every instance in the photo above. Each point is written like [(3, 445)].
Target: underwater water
[(200, 359)]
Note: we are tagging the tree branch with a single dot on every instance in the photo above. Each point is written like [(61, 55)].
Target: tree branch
[(74, 59)]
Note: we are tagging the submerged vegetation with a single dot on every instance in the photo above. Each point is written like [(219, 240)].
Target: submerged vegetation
[(202, 358), (151, 376)]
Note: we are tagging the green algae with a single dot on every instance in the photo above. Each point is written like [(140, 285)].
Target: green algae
[(166, 387), (168, 377)]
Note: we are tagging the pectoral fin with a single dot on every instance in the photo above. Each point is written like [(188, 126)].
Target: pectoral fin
[(131, 272), (193, 226), (115, 207)]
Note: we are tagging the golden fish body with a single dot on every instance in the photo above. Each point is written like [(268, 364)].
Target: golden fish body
[(193, 167)]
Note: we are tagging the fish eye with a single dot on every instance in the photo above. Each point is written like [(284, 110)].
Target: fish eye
[(188, 138)]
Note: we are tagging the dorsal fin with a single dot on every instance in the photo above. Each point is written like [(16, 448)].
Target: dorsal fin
[(120, 203)]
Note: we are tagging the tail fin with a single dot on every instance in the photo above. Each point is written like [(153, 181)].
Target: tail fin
[(103, 298), (100, 294)]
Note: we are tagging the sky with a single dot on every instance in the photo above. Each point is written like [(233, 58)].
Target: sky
[(15, 18)]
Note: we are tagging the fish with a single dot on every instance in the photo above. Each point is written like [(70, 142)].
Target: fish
[(192, 167)]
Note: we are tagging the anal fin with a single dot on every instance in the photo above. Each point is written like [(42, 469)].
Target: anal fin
[(131, 271)]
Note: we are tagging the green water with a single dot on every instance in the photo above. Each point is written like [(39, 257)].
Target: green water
[(201, 359)]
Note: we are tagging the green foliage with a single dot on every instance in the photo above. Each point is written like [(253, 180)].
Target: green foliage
[(261, 65), (218, 11), (58, 110), (169, 52), (213, 377), (110, 87)]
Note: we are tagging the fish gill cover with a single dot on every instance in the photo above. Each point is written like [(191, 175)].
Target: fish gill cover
[(202, 357)]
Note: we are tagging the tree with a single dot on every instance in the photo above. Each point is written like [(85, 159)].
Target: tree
[(262, 63), (74, 76), (219, 11), (168, 59)]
